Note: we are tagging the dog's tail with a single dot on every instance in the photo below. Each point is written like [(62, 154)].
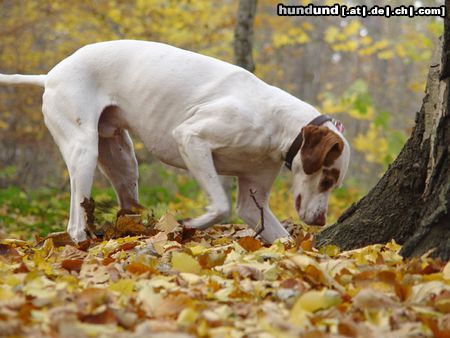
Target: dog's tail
[(37, 80)]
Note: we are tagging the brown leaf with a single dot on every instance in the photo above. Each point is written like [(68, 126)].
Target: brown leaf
[(7, 250), (127, 225), (89, 207), (440, 329), (349, 328), (124, 247), (138, 268), (108, 260), (403, 291), (85, 245), (307, 245), (59, 239), (249, 243), (315, 334), (21, 269), (293, 283), (72, 264), (387, 276), (25, 312), (442, 302), (304, 240)]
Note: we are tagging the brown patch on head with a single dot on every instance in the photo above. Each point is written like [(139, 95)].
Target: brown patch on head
[(321, 147), (329, 178)]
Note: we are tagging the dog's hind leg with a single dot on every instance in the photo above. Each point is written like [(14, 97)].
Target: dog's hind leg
[(117, 161), (74, 129)]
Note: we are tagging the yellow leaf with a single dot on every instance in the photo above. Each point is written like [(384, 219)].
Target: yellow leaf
[(304, 262), (446, 271), (41, 287), (185, 263), (401, 51), (197, 250), (123, 286), (366, 40), (331, 34), (417, 87), (92, 330), (353, 27), (382, 44), (149, 299), (6, 293), (393, 246), (330, 250), (187, 317), (190, 278), (312, 301)]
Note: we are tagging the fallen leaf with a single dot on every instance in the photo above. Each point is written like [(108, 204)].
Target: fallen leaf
[(167, 223), (72, 264), (249, 243), (316, 300), (183, 262)]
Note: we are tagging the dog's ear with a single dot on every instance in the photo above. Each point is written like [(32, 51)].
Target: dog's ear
[(321, 147)]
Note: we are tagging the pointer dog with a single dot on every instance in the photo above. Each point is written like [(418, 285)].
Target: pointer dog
[(193, 112)]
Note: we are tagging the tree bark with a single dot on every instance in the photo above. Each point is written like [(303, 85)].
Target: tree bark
[(243, 35), (411, 202)]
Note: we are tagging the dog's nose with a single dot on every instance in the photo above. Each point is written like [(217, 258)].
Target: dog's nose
[(320, 219)]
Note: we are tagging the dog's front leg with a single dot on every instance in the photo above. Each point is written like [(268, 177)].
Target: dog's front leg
[(197, 155), (249, 211)]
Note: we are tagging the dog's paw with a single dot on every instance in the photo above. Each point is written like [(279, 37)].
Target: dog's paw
[(77, 235), (193, 224)]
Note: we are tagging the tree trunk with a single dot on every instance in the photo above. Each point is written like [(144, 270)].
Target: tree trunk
[(243, 35), (411, 202)]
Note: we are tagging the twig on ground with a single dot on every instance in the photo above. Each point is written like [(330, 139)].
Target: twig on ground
[(261, 210)]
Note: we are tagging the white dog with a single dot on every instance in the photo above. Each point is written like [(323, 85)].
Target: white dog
[(193, 112)]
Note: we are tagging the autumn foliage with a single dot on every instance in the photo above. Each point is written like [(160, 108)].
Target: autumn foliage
[(222, 282)]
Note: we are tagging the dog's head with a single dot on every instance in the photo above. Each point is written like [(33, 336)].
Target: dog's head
[(318, 168)]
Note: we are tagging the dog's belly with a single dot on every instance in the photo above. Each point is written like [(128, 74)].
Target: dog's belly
[(155, 132), (231, 162)]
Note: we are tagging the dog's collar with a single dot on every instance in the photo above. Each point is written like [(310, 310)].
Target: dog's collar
[(296, 145)]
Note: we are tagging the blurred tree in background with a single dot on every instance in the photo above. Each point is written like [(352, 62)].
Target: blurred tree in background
[(369, 72)]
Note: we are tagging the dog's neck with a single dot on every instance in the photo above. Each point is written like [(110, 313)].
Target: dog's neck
[(291, 118)]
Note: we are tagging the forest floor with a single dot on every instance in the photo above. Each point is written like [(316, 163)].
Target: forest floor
[(153, 278)]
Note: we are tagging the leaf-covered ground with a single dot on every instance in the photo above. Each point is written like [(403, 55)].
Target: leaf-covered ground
[(222, 282)]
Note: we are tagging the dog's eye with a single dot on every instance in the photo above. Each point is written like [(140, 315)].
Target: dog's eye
[(326, 184)]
